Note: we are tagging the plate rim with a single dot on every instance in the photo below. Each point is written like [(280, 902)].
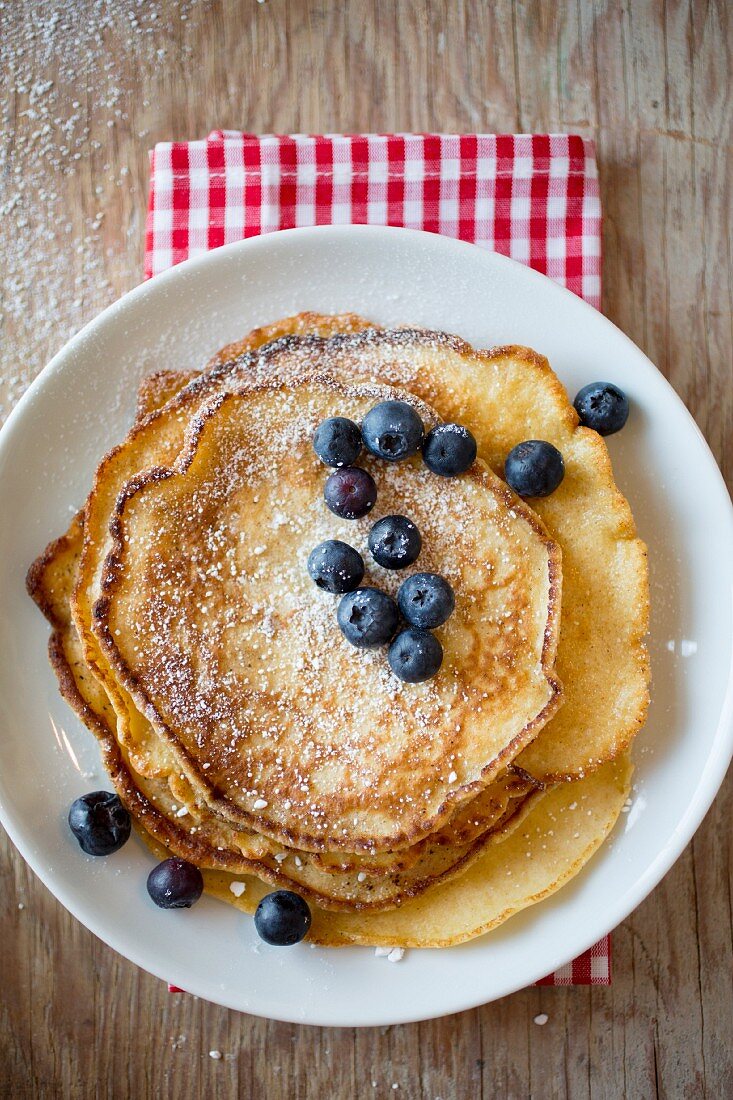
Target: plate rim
[(721, 751)]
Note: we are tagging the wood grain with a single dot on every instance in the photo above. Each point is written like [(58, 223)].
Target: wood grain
[(650, 81)]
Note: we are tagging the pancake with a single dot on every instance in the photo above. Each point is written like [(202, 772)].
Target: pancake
[(472, 820), (50, 582), (550, 844), (512, 370), (158, 805), (208, 611), (168, 811), (504, 395)]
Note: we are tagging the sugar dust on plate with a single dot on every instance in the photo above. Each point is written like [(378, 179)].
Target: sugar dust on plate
[(392, 954)]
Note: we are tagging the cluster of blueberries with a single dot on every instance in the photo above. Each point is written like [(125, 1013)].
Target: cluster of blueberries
[(393, 431), (102, 825), (368, 617)]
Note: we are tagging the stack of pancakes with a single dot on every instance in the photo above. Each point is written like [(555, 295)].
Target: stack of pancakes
[(241, 730)]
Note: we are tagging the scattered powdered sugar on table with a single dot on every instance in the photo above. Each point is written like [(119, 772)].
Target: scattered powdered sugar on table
[(62, 99)]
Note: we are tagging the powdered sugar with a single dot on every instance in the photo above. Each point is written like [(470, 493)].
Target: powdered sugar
[(243, 652), (61, 86)]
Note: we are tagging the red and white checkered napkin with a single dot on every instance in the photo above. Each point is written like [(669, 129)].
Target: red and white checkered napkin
[(533, 197)]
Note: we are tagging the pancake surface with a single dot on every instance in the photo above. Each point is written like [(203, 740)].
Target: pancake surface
[(208, 611), (506, 395)]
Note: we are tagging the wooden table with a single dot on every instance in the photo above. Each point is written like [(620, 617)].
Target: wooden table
[(86, 89)]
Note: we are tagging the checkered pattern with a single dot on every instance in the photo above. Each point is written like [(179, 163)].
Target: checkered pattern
[(533, 197), (593, 967)]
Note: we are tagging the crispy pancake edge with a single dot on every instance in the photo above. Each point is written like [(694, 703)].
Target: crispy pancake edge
[(483, 896)]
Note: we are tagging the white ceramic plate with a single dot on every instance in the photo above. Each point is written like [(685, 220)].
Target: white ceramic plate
[(82, 403)]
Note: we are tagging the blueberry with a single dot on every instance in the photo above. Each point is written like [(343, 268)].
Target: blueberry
[(335, 566), (449, 450), (367, 617), (392, 430), (350, 492), (175, 884), (426, 600), (415, 655), (99, 822), (534, 468), (337, 441), (602, 407), (282, 918), (394, 542)]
